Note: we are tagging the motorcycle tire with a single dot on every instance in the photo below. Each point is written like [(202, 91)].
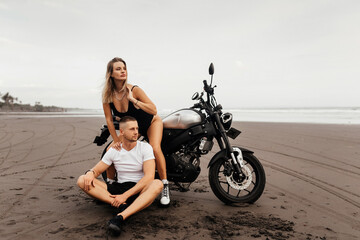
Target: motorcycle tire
[(231, 189)]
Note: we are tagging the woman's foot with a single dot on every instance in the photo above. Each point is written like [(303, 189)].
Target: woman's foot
[(165, 194)]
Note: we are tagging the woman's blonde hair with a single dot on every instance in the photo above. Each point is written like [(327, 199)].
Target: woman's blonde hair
[(109, 85)]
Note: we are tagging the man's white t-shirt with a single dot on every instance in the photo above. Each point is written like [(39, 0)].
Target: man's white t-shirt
[(129, 164)]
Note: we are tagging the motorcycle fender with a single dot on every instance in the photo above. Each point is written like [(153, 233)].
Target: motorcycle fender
[(222, 154)]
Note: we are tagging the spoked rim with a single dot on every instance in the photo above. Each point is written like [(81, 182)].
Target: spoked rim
[(233, 185)]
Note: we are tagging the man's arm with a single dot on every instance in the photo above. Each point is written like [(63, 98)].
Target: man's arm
[(99, 168), (149, 175)]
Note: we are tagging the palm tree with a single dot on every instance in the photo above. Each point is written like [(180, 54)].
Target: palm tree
[(8, 99)]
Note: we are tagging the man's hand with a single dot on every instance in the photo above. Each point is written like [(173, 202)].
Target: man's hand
[(118, 200), (89, 180)]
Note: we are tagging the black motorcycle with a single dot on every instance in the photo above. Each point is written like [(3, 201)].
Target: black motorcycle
[(235, 174)]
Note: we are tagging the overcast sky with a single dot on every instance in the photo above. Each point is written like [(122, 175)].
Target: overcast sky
[(266, 53)]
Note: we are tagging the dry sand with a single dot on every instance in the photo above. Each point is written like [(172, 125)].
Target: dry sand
[(312, 191)]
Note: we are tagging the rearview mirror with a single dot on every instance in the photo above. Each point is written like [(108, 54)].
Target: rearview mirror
[(195, 96), (211, 69)]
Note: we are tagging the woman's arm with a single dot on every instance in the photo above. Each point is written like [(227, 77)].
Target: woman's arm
[(110, 123), (141, 100)]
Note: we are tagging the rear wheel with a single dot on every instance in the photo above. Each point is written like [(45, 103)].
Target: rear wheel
[(230, 187)]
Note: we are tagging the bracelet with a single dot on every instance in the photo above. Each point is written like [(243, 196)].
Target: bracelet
[(90, 170)]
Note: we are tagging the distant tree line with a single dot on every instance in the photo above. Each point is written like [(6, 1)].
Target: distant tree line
[(11, 103)]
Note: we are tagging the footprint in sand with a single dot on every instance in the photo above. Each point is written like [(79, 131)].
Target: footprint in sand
[(300, 214), (11, 222), (62, 178), (61, 228)]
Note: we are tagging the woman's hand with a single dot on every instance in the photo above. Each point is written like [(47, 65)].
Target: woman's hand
[(130, 95), (116, 145)]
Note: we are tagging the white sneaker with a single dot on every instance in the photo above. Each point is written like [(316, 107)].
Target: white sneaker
[(165, 194)]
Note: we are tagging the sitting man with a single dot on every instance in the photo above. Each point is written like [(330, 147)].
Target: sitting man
[(136, 187)]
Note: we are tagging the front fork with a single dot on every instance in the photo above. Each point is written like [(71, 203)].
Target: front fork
[(237, 161), (239, 158)]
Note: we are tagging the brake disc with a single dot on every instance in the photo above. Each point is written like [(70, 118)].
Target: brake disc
[(245, 183)]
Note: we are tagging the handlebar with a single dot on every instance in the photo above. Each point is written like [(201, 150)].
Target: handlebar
[(208, 88)]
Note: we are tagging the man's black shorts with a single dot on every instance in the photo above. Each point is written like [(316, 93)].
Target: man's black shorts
[(119, 188)]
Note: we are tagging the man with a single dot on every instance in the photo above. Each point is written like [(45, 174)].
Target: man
[(136, 187)]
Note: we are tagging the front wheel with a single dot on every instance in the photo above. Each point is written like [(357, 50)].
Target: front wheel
[(229, 187)]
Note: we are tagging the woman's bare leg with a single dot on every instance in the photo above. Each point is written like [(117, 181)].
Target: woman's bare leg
[(155, 135), (155, 132)]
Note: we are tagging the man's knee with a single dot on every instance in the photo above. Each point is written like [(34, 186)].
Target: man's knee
[(157, 185), (81, 182)]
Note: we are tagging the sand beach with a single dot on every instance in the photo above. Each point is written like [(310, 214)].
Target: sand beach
[(312, 190)]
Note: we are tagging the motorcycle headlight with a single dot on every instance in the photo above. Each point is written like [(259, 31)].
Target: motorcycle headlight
[(226, 120)]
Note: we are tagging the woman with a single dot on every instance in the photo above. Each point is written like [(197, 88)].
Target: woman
[(122, 99)]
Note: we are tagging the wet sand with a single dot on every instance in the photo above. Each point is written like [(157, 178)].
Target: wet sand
[(312, 190)]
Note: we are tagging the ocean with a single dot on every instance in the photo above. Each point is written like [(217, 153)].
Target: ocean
[(305, 115)]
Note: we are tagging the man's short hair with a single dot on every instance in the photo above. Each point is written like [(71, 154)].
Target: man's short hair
[(126, 119)]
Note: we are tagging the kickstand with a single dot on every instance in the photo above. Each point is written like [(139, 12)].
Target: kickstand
[(183, 187)]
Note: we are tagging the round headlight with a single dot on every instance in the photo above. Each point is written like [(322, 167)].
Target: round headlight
[(226, 120)]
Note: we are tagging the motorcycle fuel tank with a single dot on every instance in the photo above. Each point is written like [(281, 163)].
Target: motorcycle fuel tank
[(182, 119)]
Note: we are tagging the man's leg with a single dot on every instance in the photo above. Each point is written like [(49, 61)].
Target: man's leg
[(99, 191), (146, 197)]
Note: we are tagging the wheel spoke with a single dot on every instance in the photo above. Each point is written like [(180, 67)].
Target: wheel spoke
[(238, 193)]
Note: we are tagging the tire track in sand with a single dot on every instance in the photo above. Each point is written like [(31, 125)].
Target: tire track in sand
[(7, 155), (47, 167), (314, 181), (43, 137), (39, 160), (325, 210), (318, 163), (302, 150), (13, 145), (24, 140), (26, 193)]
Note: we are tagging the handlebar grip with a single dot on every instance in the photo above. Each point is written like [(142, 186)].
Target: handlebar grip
[(208, 88), (205, 83)]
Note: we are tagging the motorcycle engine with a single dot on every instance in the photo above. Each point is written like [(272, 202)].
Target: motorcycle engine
[(181, 160)]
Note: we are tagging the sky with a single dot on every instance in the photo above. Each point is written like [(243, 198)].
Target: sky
[(266, 53)]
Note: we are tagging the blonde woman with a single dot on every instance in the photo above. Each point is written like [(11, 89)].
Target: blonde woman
[(123, 99)]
